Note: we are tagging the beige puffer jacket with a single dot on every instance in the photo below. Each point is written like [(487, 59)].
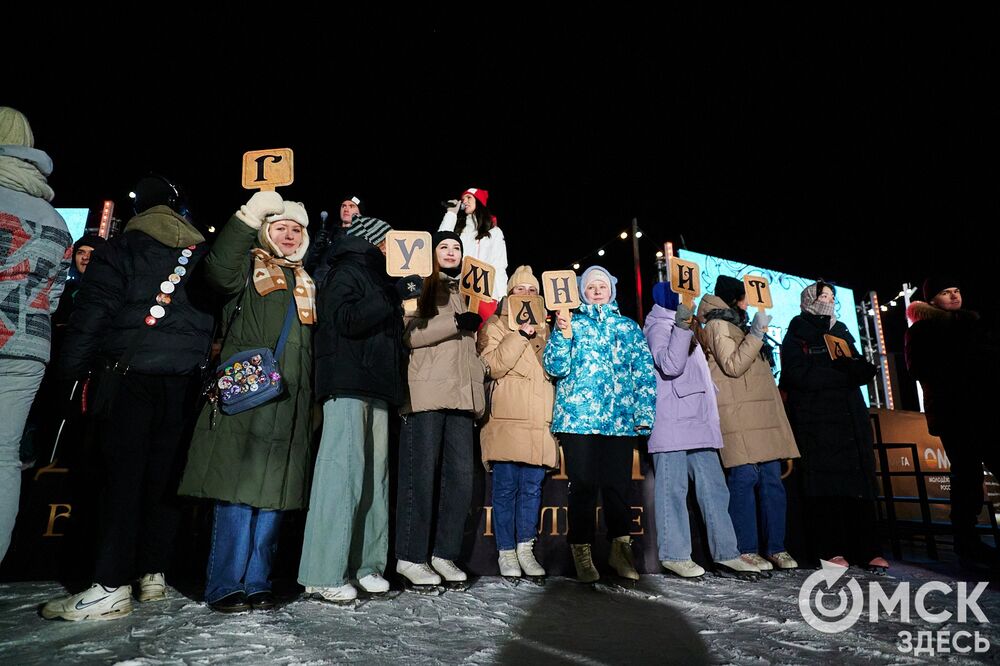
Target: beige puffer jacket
[(754, 426)]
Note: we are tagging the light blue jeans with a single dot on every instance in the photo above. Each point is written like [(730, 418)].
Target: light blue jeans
[(673, 527), (21, 379), (347, 528)]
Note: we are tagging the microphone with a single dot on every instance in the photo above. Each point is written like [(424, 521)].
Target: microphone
[(323, 215)]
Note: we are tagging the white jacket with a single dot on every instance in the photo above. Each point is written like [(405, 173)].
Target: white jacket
[(492, 250)]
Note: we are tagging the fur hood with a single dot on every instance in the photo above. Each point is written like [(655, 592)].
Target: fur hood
[(921, 311)]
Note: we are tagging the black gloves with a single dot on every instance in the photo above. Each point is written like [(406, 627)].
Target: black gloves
[(409, 287), (468, 321)]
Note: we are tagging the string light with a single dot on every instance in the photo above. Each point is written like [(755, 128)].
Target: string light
[(624, 235), (576, 267), (638, 234), (659, 254), (600, 253)]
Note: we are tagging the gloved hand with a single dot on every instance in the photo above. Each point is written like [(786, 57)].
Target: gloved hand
[(468, 321), (454, 205), (409, 287), (683, 317), (759, 326), (261, 204)]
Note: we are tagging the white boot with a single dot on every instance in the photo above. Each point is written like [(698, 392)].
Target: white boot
[(417, 574), (509, 566), (739, 565), (683, 568), (756, 560), (586, 572), (152, 587), (526, 558), (341, 594), (620, 558), (448, 570), (95, 603), (374, 584)]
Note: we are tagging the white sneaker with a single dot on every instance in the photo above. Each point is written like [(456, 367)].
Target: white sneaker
[(683, 568), (417, 574), (448, 570), (509, 566), (374, 584), (757, 561), (95, 603), (526, 558), (152, 587), (338, 595)]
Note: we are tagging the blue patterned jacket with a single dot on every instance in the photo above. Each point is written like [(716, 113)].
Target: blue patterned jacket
[(606, 382)]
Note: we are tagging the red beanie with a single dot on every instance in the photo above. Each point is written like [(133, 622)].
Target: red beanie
[(482, 196)]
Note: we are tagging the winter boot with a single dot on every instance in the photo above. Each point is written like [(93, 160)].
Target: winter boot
[(738, 567), (453, 577), (419, 575), (373, 583), (621, 559), (783, 560), (152, 587), (586, 572), (95, 603), (342, 594), (683, 568), (756, 560), (526, 558)]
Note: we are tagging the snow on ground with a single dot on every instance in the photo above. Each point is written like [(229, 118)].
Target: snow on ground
[(662, 620)]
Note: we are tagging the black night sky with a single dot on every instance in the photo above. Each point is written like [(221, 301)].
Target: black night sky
[(857, 144)]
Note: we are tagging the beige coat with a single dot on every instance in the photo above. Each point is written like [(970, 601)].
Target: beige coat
[(754, 426), (518, 424), (444, 370)]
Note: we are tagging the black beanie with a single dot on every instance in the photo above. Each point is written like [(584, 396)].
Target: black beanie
[(445, 235), (935, 284), (90, 240), (729, 289)]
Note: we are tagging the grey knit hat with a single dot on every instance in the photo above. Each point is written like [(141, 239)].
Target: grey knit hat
[(371, 229)]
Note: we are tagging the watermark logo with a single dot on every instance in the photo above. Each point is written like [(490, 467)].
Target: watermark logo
[(846, 610), (831, 606)]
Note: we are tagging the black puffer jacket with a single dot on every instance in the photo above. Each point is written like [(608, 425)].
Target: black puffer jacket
[(123, 280), (359, 342), (826, 410)]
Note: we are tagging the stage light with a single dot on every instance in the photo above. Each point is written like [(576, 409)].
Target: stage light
[(624, 235), (600, 253)]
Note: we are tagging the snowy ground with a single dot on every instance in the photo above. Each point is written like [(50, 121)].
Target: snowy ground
[(661, 620)]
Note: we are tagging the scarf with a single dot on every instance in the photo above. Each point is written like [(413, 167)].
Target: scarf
[(23, 176), (268, 277), (809, 304)]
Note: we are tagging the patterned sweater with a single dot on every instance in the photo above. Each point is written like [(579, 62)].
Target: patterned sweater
[(35, 254)]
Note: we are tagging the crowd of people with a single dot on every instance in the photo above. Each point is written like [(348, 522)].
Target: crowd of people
[(296, 339)]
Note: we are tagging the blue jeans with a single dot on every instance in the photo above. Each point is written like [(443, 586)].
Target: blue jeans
[(517, 499), (21, 378), (673, 526), (746, 482), (244, 540)]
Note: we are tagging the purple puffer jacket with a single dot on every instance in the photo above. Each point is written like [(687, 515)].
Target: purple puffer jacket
[(687, 411)]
